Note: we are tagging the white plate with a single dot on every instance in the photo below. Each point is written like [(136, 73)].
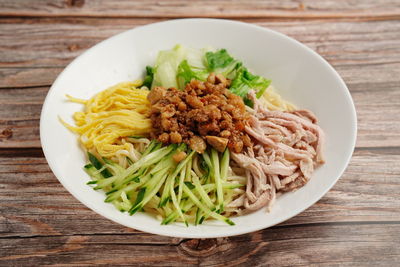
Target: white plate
[(299, 74)]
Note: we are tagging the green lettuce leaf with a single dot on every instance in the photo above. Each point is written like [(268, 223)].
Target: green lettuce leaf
[(220, 62), (186, 73), (245, 81), (148, 79), (165, 69)]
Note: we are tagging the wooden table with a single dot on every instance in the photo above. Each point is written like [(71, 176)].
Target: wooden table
[(356, 224)]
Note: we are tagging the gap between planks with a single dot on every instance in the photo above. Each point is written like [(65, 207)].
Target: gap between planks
[(285, 226), (37, 152), (266, 18)]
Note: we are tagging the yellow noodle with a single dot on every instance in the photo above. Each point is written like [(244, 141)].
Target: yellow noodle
[(274, 101), (119, 111)]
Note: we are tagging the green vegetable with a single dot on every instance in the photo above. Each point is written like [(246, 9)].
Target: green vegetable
[(136, 137), (225, 165), (116, 193), (206, 210), (189, 185), (245, 81), (98, 165), (217, 179), (171, 178), (121, 178), (150, 189), (181, 180), (174, 215), (176, 204), (93, 172), (186, 73), (221, 62), (166, 67), (148, 79), (218, 60), (206, 199), (178, 66), (140, 196), (207, 162), (157, 181)]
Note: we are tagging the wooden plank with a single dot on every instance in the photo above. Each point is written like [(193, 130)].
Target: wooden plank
[(19, 117), (54, 42), (48, 43), (220, 8), (319, 245), (28, 76), (369, 191)]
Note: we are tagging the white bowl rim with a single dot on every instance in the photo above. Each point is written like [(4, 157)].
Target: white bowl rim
[(143, 228)]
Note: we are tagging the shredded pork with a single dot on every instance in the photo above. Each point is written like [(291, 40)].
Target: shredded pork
[(287, 148)]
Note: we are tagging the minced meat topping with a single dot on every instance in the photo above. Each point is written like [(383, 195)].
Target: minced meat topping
[(203, 112)]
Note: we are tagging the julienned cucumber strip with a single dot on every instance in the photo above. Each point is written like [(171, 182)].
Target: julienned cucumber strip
[(176, 204), (217, 178), (187, 204), (168, 162), (116, 194), (134, 177), (105, 182), (201, 191), (225, 165), (174, 215), (140, 196), (170, 218), (93, 172), (180, 185), (149, 148), (121, 178), (183, 190), (171, 178), (136, 137), (224, 186), (206, 210), (152, 187), (98, 165), (189, 185), (207, 161), (95, 162), (198, 216), (144, 162)]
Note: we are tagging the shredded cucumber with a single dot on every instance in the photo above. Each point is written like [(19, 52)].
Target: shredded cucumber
[(174, 190), (217, 179), (206, 210)]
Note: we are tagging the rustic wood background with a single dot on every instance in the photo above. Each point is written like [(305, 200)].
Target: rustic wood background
[(356, 224)]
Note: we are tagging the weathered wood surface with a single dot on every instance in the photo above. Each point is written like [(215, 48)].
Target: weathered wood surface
[(305, 9), (47, 225), (357, 223)]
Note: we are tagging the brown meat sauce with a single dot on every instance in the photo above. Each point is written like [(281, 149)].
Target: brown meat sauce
[(204, 111)]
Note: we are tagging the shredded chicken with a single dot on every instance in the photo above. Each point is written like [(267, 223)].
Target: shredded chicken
[(287, 148)]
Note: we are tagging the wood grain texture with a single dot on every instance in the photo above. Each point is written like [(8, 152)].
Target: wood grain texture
[(318, 245), (221, 8), (357, 217), (45, 43), (357, 223)]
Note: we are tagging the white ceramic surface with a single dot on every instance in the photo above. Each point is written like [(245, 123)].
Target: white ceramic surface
[(299, 74)]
